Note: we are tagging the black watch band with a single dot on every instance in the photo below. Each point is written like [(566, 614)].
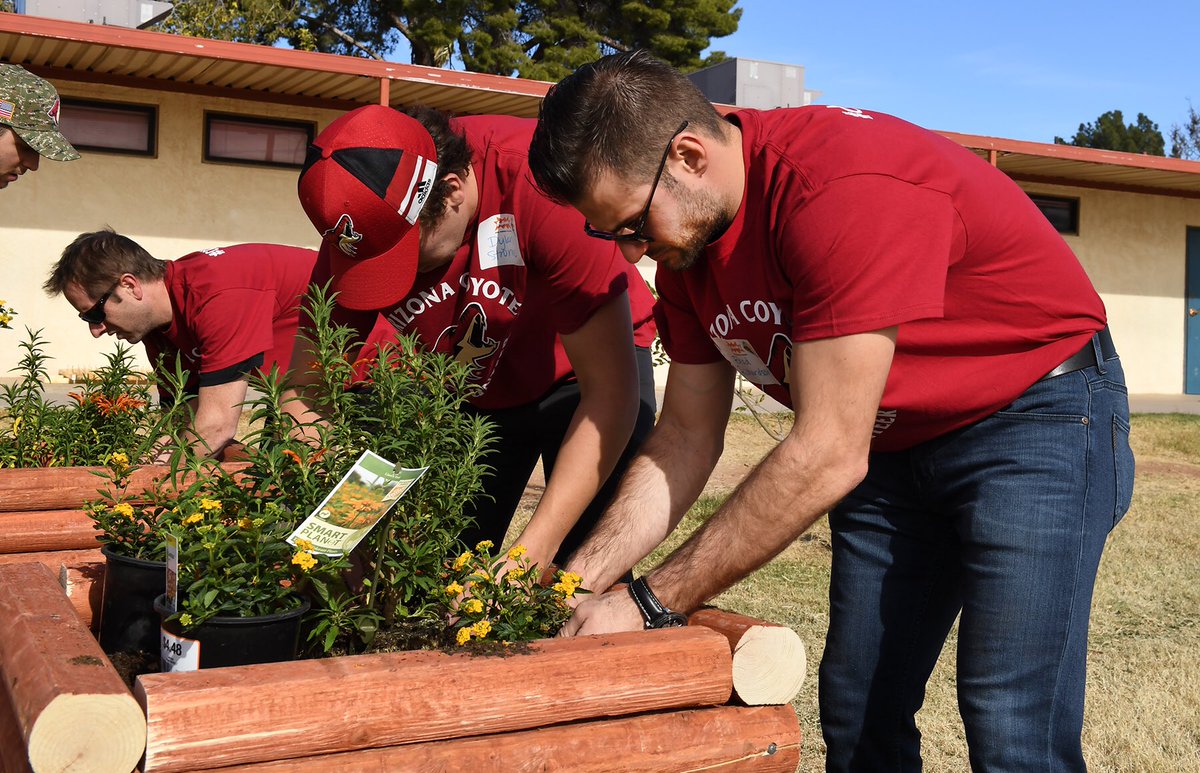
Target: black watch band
[(654, 613)]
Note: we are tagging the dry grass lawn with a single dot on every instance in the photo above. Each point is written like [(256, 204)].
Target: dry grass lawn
[(1143, 709)]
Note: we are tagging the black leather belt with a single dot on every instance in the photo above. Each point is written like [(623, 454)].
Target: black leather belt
[(1086, 357)]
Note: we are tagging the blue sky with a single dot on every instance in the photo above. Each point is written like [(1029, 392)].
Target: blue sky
[(1021, 70)]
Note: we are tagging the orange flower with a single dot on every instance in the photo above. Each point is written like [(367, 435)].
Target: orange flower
[(289, 453)]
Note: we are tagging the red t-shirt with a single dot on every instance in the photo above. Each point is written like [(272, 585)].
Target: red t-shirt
[(235, 308), (526, 272), (854, 221)]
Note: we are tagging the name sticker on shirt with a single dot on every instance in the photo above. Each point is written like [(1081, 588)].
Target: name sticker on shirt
[(745, 360), (498, 242)]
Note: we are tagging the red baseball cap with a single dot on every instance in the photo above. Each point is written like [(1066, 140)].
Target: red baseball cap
[(364, 182)]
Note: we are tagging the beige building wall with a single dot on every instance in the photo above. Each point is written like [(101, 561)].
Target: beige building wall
[(172, 205), (1134, 248)]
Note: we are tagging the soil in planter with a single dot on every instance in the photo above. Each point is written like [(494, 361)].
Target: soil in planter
[(132, 664)]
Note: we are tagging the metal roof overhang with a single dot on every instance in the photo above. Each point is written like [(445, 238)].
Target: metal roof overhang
[(71, 51), (1036, 162), (154, 60)]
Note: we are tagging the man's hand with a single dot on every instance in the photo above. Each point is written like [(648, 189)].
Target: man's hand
[(607, 613)]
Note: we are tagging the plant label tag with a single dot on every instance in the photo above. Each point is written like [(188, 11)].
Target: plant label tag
[(178, 653), (172, 589), (360, 500), (745, 360)]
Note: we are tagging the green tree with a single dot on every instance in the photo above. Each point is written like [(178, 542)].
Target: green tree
[(542, 39), (1110, 132), (1185, 137)]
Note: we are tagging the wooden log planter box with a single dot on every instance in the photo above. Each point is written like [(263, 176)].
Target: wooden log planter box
[(669, 700)]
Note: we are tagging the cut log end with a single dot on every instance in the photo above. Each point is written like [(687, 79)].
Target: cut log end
[(88, 733), (769, 664)]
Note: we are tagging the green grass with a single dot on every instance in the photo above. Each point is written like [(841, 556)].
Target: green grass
[(1143, 709)]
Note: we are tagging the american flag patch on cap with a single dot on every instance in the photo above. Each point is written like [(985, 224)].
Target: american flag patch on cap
[(6, 109)]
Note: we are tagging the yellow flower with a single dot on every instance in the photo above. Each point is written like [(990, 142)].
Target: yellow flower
[(481, 629), (473, 606), (245, 523), (453, 589), (571, 577), (516, 552), (480, 574), (516, 573), (565, 589), (185, 619), (304, 560), (487, 544), (16, 425), (119, 460), (462, 560), (304, 544), (193, 518), (209, 505), (464, 636), (124, 509)]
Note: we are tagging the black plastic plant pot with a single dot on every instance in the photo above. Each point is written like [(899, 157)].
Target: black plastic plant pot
[(128, 622), (229, 641)]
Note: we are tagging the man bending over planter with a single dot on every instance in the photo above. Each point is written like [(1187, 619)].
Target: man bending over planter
[(225, 312), (960, 411), (432, 228)]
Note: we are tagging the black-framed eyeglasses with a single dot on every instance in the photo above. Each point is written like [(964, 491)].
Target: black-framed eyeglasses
[(635, 234), (95, 315)]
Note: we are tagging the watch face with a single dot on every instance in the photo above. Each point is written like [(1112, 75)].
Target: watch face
[(671, 620)]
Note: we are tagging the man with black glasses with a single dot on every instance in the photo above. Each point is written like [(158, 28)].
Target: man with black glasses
[(960, 410), (224, 313)]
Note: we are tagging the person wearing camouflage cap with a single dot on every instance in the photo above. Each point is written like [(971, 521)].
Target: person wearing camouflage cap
[(29, 109)]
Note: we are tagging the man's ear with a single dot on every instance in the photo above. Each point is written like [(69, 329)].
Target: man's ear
[(456, 192), (689, 155), (134, 285)]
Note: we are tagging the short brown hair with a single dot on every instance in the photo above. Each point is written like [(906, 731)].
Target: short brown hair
[(97, 259), (606, 115)]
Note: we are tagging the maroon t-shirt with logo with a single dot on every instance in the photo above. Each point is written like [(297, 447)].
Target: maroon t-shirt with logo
[(235, 309), (854, 221), (525, 274)]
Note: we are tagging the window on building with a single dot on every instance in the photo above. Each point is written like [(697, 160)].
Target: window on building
[(1062, 213), (264, 141), (110, 127)]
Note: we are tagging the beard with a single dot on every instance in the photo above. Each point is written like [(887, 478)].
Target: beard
[(702, 220)]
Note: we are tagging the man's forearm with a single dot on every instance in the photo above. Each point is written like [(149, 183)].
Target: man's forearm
[(598, 433), (790, 489), (661, 483)]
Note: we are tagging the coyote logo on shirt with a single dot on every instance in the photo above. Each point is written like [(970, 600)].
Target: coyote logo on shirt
[(469, 342), (347, 237)]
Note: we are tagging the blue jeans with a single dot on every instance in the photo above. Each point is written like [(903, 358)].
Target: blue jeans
[(1003, 521)]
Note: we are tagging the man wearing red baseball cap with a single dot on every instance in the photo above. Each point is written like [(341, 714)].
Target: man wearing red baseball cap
[(432, 228)]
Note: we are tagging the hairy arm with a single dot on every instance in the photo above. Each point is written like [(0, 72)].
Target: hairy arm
[(216, 412), (667, 475), (836, 385), (601, 353)]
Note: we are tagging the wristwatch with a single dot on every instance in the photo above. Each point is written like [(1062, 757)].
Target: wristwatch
[(654, 613)]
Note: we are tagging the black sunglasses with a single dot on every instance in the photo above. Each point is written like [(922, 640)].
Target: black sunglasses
[(95, 315), (635, 234)]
